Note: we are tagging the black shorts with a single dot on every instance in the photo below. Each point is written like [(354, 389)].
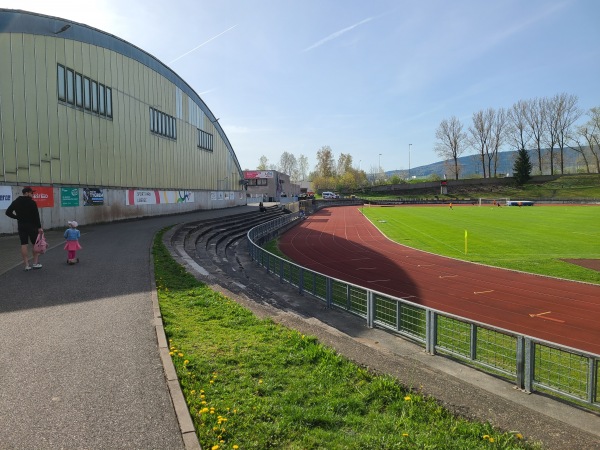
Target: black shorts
[(27, 232)]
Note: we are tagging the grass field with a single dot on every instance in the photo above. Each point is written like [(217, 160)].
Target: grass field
[(532, 239)]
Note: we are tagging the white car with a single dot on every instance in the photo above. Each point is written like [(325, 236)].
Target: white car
[(329, 195)]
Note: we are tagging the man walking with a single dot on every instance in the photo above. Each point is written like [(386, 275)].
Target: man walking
[(25, 211)]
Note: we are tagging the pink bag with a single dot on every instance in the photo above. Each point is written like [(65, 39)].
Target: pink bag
[(40, 245)]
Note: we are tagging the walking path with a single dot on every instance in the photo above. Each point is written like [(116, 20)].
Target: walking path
[(80, 366)]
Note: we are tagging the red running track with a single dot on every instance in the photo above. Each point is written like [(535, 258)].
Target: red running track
[(340, 242)]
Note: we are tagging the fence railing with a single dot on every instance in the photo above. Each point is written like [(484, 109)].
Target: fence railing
[(532, 364)]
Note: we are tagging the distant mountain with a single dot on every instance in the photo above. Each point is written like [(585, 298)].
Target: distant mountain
[(471, 165)]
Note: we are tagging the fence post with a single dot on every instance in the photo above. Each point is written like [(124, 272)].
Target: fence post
[(520, 362), (281, 274), (328, 291), (268, 266), (592, 380), (529, 365), (301, 281), (370, 309), (430, 331), (473, 342)]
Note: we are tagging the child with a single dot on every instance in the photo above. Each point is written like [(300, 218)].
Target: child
[(72, 235)]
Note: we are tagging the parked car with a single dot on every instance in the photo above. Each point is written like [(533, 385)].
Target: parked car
[(329, 195)]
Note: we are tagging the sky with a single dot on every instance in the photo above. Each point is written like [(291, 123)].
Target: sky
[(370, 79)]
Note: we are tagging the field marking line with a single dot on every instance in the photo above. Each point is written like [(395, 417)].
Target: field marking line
[(448, 276), (482, 292), (539, 314), (425, 265)]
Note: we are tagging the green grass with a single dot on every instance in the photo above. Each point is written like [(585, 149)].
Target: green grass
[(532, 239), (252, 384)]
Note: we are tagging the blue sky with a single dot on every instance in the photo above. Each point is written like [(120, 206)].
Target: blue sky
[(365, 78)]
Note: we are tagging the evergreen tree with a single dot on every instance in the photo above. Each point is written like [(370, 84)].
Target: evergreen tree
[(522, 167)]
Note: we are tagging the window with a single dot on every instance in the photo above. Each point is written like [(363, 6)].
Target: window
[(87, 101), (162, 124), (94, 93), (83, 92), (109, 102), (205, 140), (60, 75), (78, 90), (70, 86), (101, 100)]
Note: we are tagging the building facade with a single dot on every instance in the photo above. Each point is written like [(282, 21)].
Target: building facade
[(269, 186), (83, 111)]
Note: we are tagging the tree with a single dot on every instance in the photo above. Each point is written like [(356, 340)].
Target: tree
[(522, 167), (519, 134), (302, 167), (536, 119), (262, 163), (288, 164), (451, 141), (590, 131), (325, 162), (498, 133), (479, 134), (344, 163), (568, 113)]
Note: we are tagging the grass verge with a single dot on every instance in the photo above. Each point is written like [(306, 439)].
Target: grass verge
[(252, 384)]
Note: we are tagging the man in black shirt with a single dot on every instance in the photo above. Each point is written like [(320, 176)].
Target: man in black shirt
[(25, 211)]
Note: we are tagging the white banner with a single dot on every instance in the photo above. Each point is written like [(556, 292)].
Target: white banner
[(5, 197), (156, 197)]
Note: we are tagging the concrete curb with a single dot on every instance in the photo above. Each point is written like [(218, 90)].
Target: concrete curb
[(186, 425)]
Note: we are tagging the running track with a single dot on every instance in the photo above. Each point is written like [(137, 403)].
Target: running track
[(342, 243)]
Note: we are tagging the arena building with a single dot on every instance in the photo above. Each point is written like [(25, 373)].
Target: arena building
[(102, 130)]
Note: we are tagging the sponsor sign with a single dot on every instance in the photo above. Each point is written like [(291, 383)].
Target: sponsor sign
[(156, 197), (5, 197), (252, 174), (69, 196), (43, 196), (93, 196)]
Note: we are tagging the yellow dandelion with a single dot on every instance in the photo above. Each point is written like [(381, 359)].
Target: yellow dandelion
[(235, 447), (180, 354), (405, 434), (193, 391), (171, 353), (407, 398), (187, 361), (491, 439), (212, 411), (215, 447), (203, 402), (519, 436), (259, 381), (212, 381), (486, 436)]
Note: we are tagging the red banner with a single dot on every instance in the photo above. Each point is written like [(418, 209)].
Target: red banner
[(43, 196)]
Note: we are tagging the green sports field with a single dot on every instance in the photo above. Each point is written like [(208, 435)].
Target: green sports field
[(532, 239)]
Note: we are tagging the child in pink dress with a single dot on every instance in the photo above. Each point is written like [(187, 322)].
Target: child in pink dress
[(72, 236)]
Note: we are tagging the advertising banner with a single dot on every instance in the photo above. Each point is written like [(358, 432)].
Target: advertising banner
[(93, 196), (43, 196), (251, 174), (5, 197), (156, 197), (69, 196)]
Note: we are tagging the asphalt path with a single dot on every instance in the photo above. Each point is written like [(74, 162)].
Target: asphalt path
[(80, 366)]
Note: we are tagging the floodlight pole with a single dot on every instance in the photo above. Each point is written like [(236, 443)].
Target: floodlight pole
[(409, 145)]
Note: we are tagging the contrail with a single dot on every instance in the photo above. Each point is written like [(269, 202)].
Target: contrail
[(337, 34), (206, 42)]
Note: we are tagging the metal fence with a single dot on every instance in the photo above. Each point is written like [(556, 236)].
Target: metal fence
[(532, 364)]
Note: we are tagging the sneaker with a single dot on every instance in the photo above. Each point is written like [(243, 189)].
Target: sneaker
[(27, 268), (37, 266)]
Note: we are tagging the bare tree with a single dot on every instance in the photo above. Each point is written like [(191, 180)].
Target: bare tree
[(582, 140), (479, 134), (567, 114), (451, 141), (287, 163), (262, 163), (302, 167), (498, 133), (536, 120), (590, 131), (551, 125), (519, 133)]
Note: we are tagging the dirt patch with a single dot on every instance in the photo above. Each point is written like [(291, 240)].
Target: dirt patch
[(593, 264)]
